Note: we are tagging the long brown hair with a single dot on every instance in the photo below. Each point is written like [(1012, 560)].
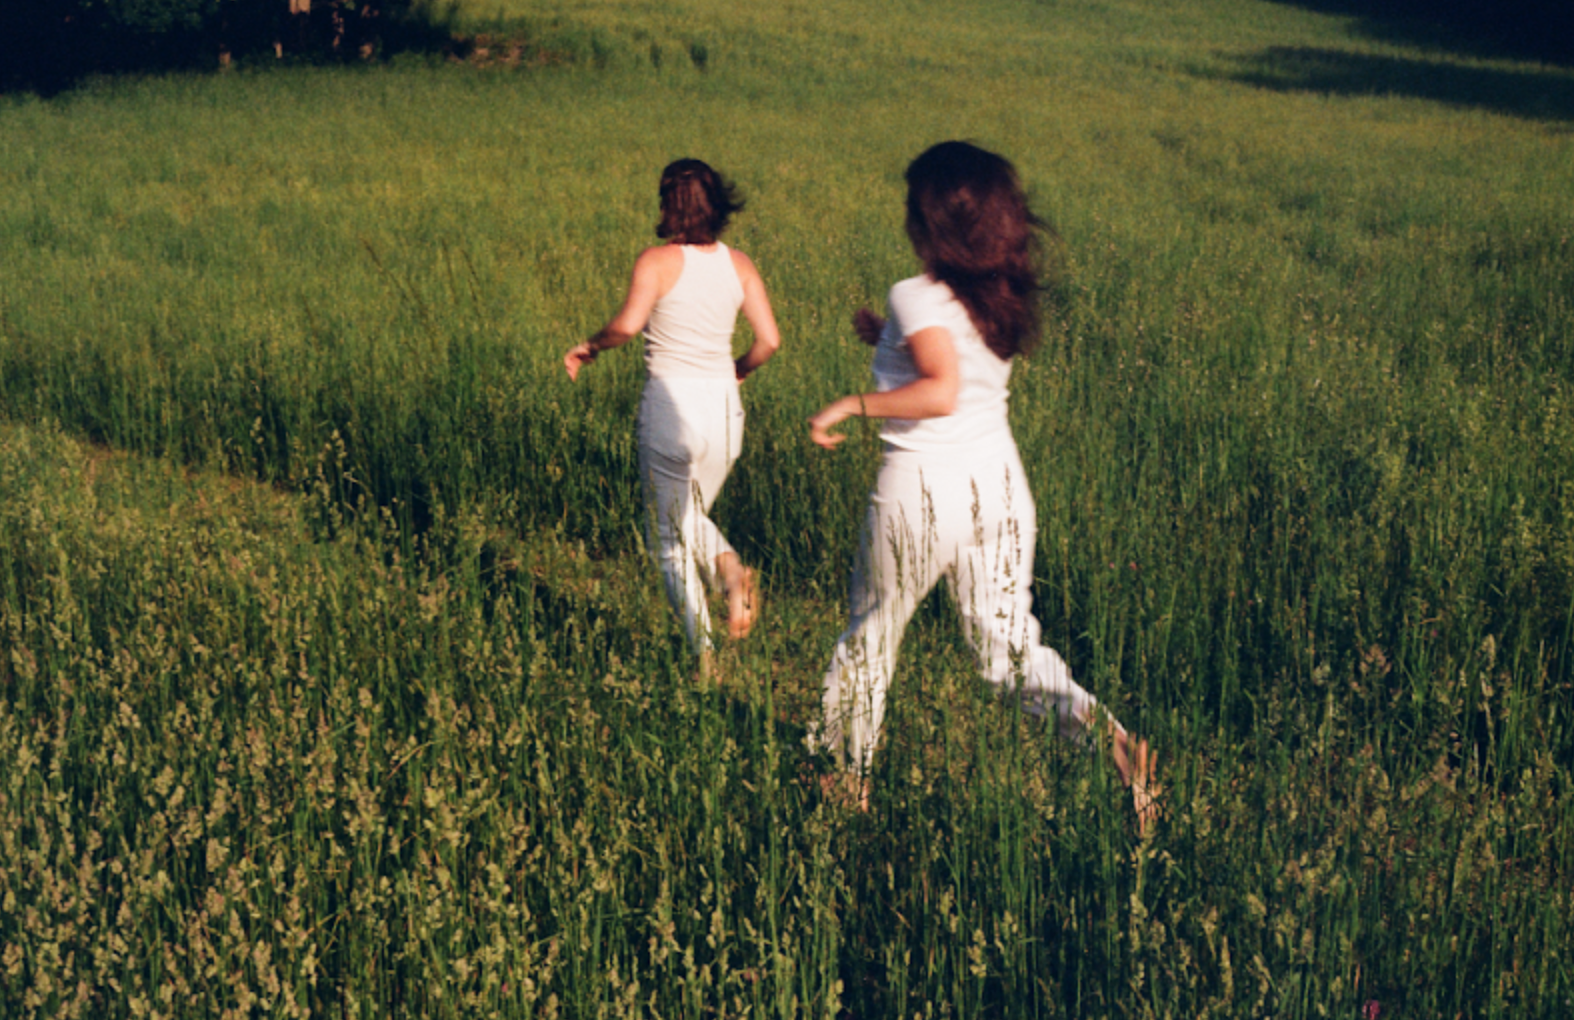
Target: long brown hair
[(696, 203), (970, 223)]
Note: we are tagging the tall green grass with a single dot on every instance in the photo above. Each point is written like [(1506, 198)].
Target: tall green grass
[(334, 677)]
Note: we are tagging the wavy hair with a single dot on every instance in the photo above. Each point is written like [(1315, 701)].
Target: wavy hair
[(969, 222), (696, 203)]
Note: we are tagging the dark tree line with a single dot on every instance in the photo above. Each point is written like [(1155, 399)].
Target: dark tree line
[(47, 44)]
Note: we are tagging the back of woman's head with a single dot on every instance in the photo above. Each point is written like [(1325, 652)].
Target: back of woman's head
[(970, 223), (696, 203)]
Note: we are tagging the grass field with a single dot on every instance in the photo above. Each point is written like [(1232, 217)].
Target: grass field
[(335, 682)]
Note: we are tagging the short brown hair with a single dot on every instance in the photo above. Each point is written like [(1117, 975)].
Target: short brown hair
[(696, 203)]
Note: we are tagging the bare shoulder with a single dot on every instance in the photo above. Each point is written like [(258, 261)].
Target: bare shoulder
[(660, 266), (659, 257), (743, 265)]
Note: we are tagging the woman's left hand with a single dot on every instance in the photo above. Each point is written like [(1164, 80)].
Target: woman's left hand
[(577, 358)]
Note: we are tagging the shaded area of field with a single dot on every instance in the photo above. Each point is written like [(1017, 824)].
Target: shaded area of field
[(1529, 93), (1534, 29), (253, 769)]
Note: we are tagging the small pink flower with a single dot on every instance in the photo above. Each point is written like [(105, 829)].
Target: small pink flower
[(1372, 1010)]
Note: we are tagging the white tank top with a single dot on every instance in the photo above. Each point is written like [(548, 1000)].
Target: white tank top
[(689, 335)]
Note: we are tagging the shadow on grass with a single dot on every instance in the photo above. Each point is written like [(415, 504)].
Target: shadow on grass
[(1519, 29), (1547, 95)]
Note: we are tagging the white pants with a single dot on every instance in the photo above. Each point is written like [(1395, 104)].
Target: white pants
[(972, 521), (690, 433)]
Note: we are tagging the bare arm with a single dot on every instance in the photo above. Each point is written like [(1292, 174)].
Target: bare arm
[(931, 395), (757, 309), (648, 283)]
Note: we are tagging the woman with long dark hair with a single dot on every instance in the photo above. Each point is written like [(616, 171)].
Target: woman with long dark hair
[(951, 498), (685, 296)]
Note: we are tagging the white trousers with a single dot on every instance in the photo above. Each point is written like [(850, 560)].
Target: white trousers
[(970, 520), (690, 433)]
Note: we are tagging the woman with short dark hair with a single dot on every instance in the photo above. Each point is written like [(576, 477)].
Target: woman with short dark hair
[(685, 296), (951, 498)]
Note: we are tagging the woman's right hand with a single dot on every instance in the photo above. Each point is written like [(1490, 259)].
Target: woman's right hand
[(868, 326)]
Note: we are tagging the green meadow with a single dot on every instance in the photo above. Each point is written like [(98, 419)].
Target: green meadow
[(335, 681)]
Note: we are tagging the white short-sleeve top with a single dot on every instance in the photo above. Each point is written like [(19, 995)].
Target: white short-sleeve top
[(689, 334), (983, 377)]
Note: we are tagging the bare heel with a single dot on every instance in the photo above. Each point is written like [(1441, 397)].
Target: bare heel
[(743, 603), (846, 790), (1145, 787), (1137, 764)]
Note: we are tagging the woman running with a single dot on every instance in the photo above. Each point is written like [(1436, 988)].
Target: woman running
[(685, 296), (951, 498)]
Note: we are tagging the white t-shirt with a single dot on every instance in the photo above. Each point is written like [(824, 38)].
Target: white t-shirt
[(982, 377)]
